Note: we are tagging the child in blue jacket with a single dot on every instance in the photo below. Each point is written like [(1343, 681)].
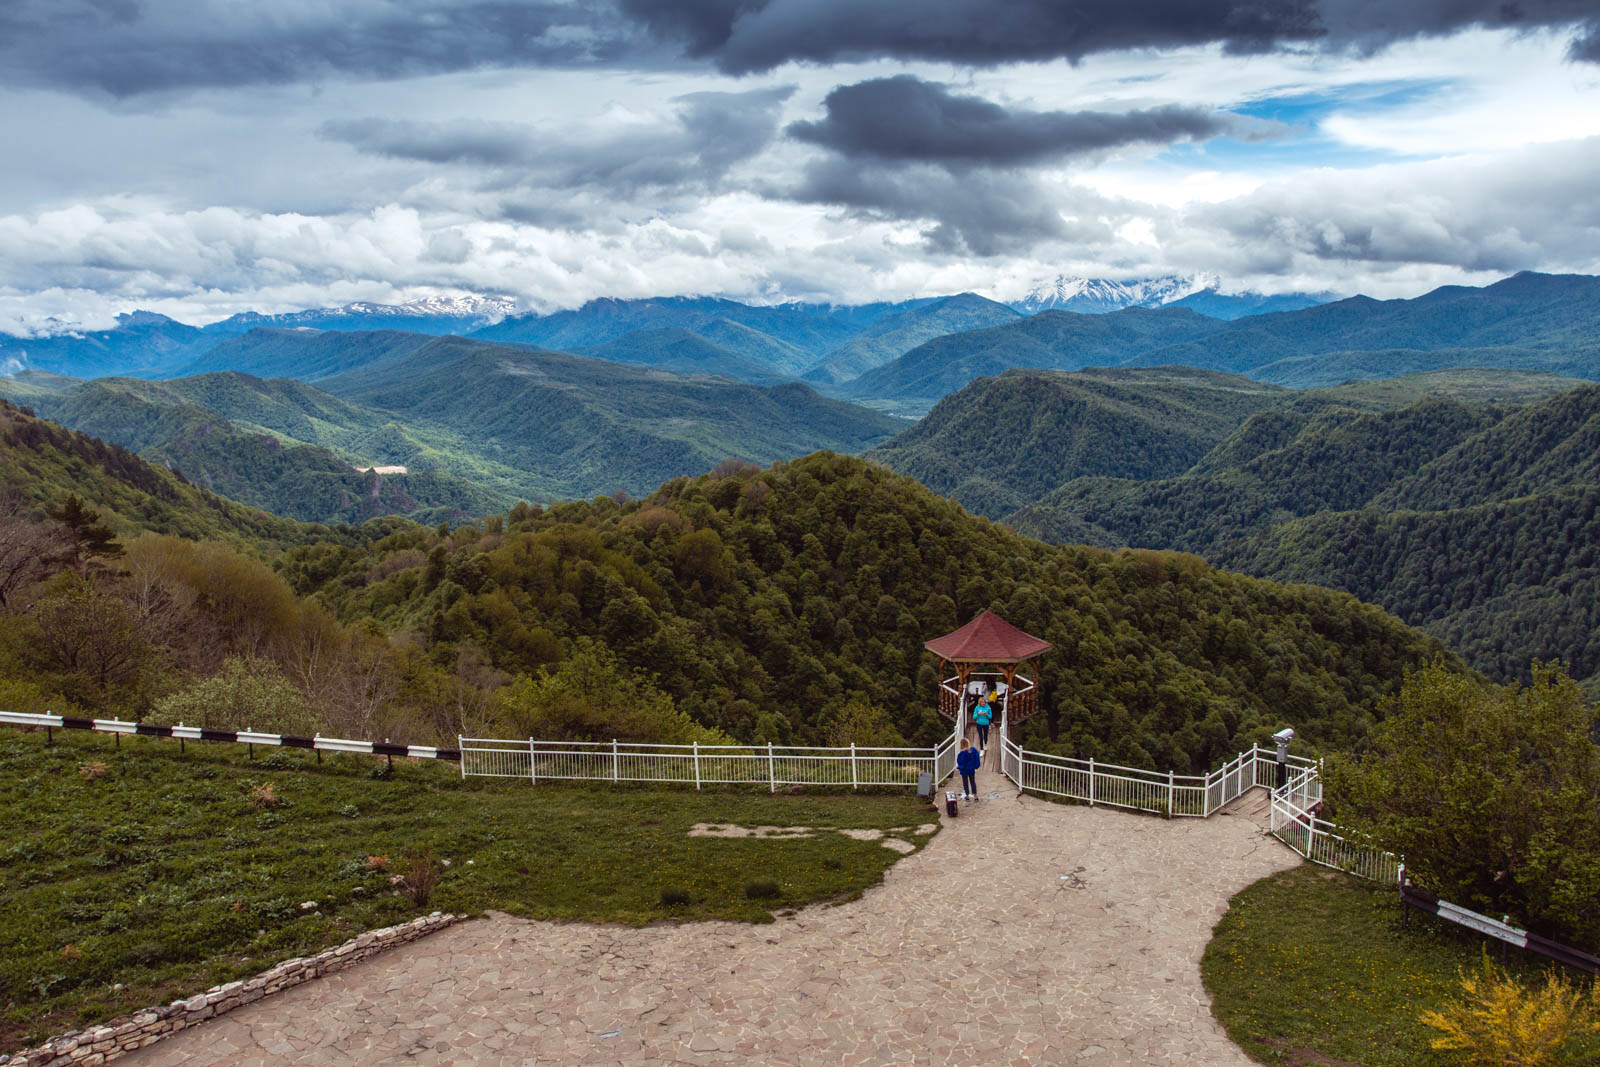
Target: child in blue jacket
[(981, 717), (967, 761)]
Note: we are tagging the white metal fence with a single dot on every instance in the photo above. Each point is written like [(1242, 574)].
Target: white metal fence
[(1317, 840), (700, 765), (1294, 817), (1178, 795)]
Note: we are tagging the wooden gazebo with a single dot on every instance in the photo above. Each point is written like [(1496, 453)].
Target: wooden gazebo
[(988, 641)]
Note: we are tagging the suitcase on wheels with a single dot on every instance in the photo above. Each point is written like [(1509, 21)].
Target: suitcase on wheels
[(950, 807)]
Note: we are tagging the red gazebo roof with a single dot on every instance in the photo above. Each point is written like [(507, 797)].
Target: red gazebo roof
[(987, 639)]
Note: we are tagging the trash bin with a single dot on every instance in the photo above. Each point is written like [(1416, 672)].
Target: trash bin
[(950, 808), (924, 784)]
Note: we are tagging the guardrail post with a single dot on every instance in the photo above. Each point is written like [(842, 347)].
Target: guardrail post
[(1171, 794), (461, 750), (533, 773), (697, 765), (772, 770), (616, 762), (1091, 781), (855, 780)]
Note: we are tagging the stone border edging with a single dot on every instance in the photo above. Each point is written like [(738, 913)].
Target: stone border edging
[(120, 1036)]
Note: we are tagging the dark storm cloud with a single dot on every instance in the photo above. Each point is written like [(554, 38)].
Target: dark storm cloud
[(125, 48), (1587, 46), (906, 119), (743, 36), (983, 213), (711, 133), (128, 47)]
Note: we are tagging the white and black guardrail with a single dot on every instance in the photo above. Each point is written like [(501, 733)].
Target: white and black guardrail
[(1412, 897), (243, 737)]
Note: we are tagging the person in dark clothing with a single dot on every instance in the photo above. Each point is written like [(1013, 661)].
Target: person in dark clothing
[(981, 717), (967, 761)]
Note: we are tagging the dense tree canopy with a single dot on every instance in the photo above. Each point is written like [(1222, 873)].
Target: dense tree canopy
[(1492, 795)]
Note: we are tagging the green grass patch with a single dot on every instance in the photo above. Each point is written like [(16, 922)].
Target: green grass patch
[(164, 872), (1312, 967)]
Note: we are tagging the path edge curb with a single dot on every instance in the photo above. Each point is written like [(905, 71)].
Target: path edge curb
[(122, 1035)]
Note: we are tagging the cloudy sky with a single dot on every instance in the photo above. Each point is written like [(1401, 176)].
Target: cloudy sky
[(202, 157)]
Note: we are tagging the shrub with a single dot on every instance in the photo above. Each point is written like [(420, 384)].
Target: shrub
[(762, 889), (671, 898), (591, 695), (247, 694), (1498, 1022), (421, 875), (264, 796)]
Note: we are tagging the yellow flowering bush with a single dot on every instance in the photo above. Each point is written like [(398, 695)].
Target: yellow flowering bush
[(1499, 1022)]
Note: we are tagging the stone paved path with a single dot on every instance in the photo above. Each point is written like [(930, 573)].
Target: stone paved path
[(1025, 932)]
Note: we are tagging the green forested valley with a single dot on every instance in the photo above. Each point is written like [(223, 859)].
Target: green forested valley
[(478, 426), (1469, 514), (786, 604)]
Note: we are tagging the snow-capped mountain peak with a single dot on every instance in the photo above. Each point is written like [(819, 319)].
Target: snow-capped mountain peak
[(432, 314), (490, 308), (1103, 294)]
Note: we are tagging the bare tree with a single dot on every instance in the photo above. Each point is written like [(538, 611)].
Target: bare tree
[(32, 547)]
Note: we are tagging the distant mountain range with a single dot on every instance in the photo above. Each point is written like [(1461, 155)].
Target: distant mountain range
[(825, 344), (1536, 322)]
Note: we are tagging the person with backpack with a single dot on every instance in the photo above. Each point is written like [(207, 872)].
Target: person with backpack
[(981, 717), (967, 761)]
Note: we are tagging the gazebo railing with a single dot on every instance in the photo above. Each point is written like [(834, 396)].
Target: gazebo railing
[(1019, 701)]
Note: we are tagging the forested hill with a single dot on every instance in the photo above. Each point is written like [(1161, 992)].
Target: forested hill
[(44, 464), (1004, 442), (589, 426), (1477, 523), (249, 463), (1050, 340), (790, 604)]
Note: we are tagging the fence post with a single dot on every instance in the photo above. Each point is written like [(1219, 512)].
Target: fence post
[(615, 761), (533, 752), (1171, 795), (1091, 781), (697, 765), (772, 770), (461, 750), (855, 780)]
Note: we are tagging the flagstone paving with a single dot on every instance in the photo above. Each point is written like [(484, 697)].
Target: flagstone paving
[(1024, 933)]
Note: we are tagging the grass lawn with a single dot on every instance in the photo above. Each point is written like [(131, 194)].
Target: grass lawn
[(154, 871), (1312, 967)]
